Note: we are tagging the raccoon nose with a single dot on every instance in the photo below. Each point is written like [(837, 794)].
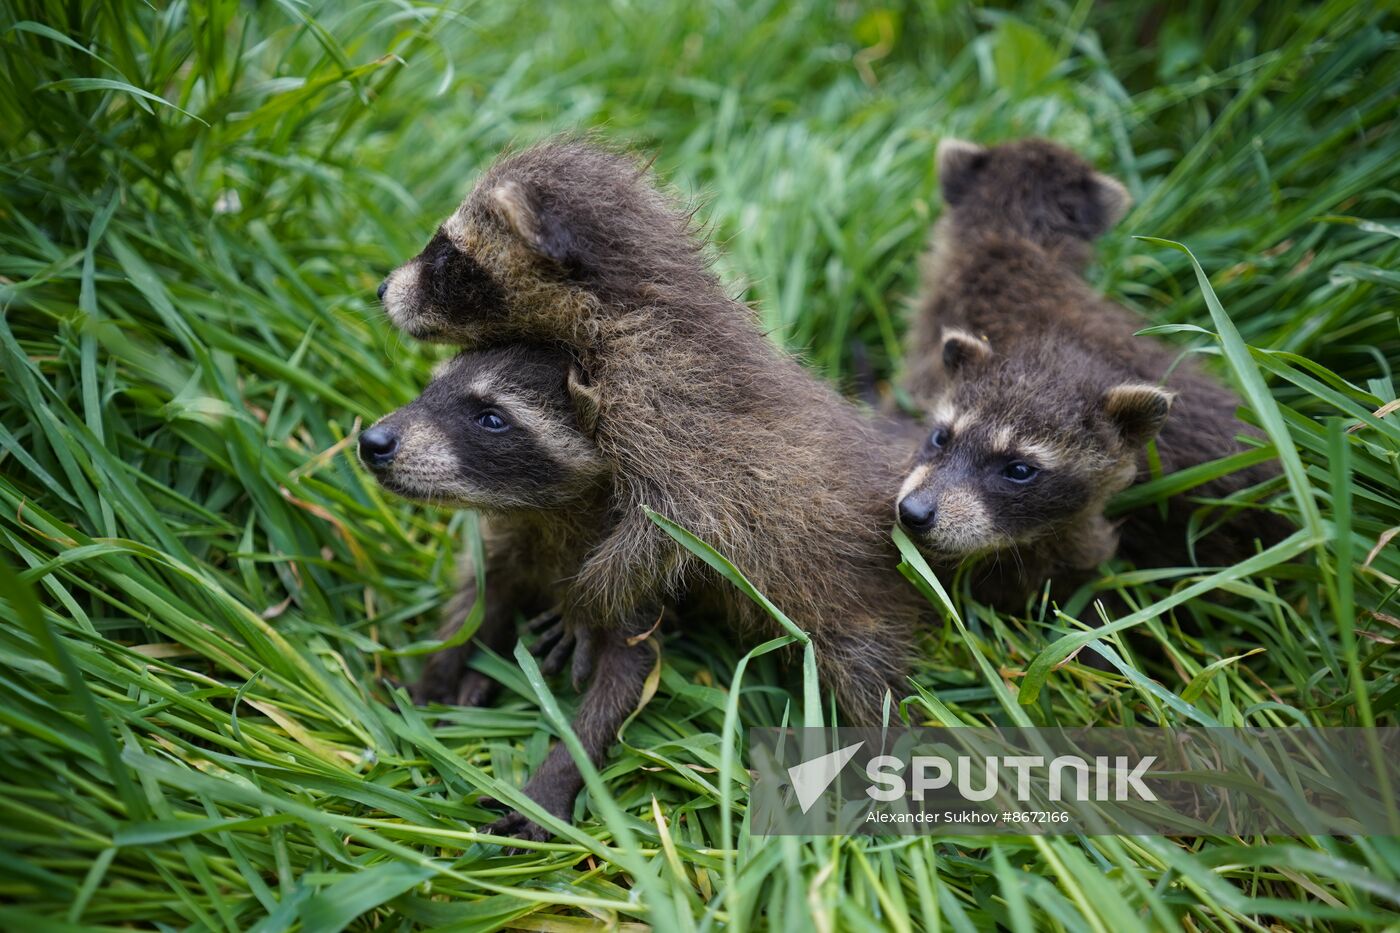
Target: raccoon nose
[(917, 513), (378, 446), (383, 287)]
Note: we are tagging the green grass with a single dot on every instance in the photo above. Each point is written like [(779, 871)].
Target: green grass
[(207, 603)]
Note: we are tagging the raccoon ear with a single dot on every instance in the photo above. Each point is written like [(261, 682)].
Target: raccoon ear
[(1113, 199), (1138, 410), (544, 233), (961, 349), (585, 399), (958, 162)]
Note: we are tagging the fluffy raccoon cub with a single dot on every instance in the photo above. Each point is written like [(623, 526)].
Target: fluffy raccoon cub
[(698, 415), (1041, 400), (507, 432)]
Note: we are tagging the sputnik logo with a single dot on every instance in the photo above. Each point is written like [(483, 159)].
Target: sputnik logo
[(811, 778)]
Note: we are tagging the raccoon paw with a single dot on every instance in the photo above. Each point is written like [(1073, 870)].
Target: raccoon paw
[(552, 790), (553, 648), (442, 678), (515, 825), (476, 689)]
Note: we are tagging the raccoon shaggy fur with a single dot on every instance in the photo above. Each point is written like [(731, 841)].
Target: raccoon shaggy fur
[(1041, 400), (698, 415)]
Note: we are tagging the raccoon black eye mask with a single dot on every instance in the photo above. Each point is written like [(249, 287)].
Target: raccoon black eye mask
[(493, 430), (440, 285)]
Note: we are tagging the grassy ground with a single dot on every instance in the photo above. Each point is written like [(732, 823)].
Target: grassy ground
[(197, 720)]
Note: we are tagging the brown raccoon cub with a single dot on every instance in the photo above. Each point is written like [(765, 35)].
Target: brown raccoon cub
[(1041, 399), (507, 432), (697, 414)]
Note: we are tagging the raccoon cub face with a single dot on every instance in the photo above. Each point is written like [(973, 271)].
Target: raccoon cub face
[(1020, 449), (1031, 187), (430, 295), (544, 237), (500, 256), (501, 430)]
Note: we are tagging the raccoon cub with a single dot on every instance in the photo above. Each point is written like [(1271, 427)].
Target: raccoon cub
[(507, 432), (1041, 400), (698, 415)]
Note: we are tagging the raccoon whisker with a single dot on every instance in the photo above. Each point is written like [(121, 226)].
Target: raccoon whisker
[(1020, 562)]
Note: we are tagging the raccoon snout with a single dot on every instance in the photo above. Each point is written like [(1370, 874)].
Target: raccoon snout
[(378, 445), (918, 513)]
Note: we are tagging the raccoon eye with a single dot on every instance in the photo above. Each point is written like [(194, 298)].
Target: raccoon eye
[(938, 438), (492, 421), (438, 252), (1018, 471), (440, 260)]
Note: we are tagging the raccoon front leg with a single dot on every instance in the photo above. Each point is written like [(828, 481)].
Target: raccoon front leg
[(860, 669), (446, 678), (622, 660)]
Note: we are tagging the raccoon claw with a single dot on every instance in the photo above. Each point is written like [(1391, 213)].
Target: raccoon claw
[(547, 620), (557, 641), (585, 643), (553, 647), (554, 662)]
